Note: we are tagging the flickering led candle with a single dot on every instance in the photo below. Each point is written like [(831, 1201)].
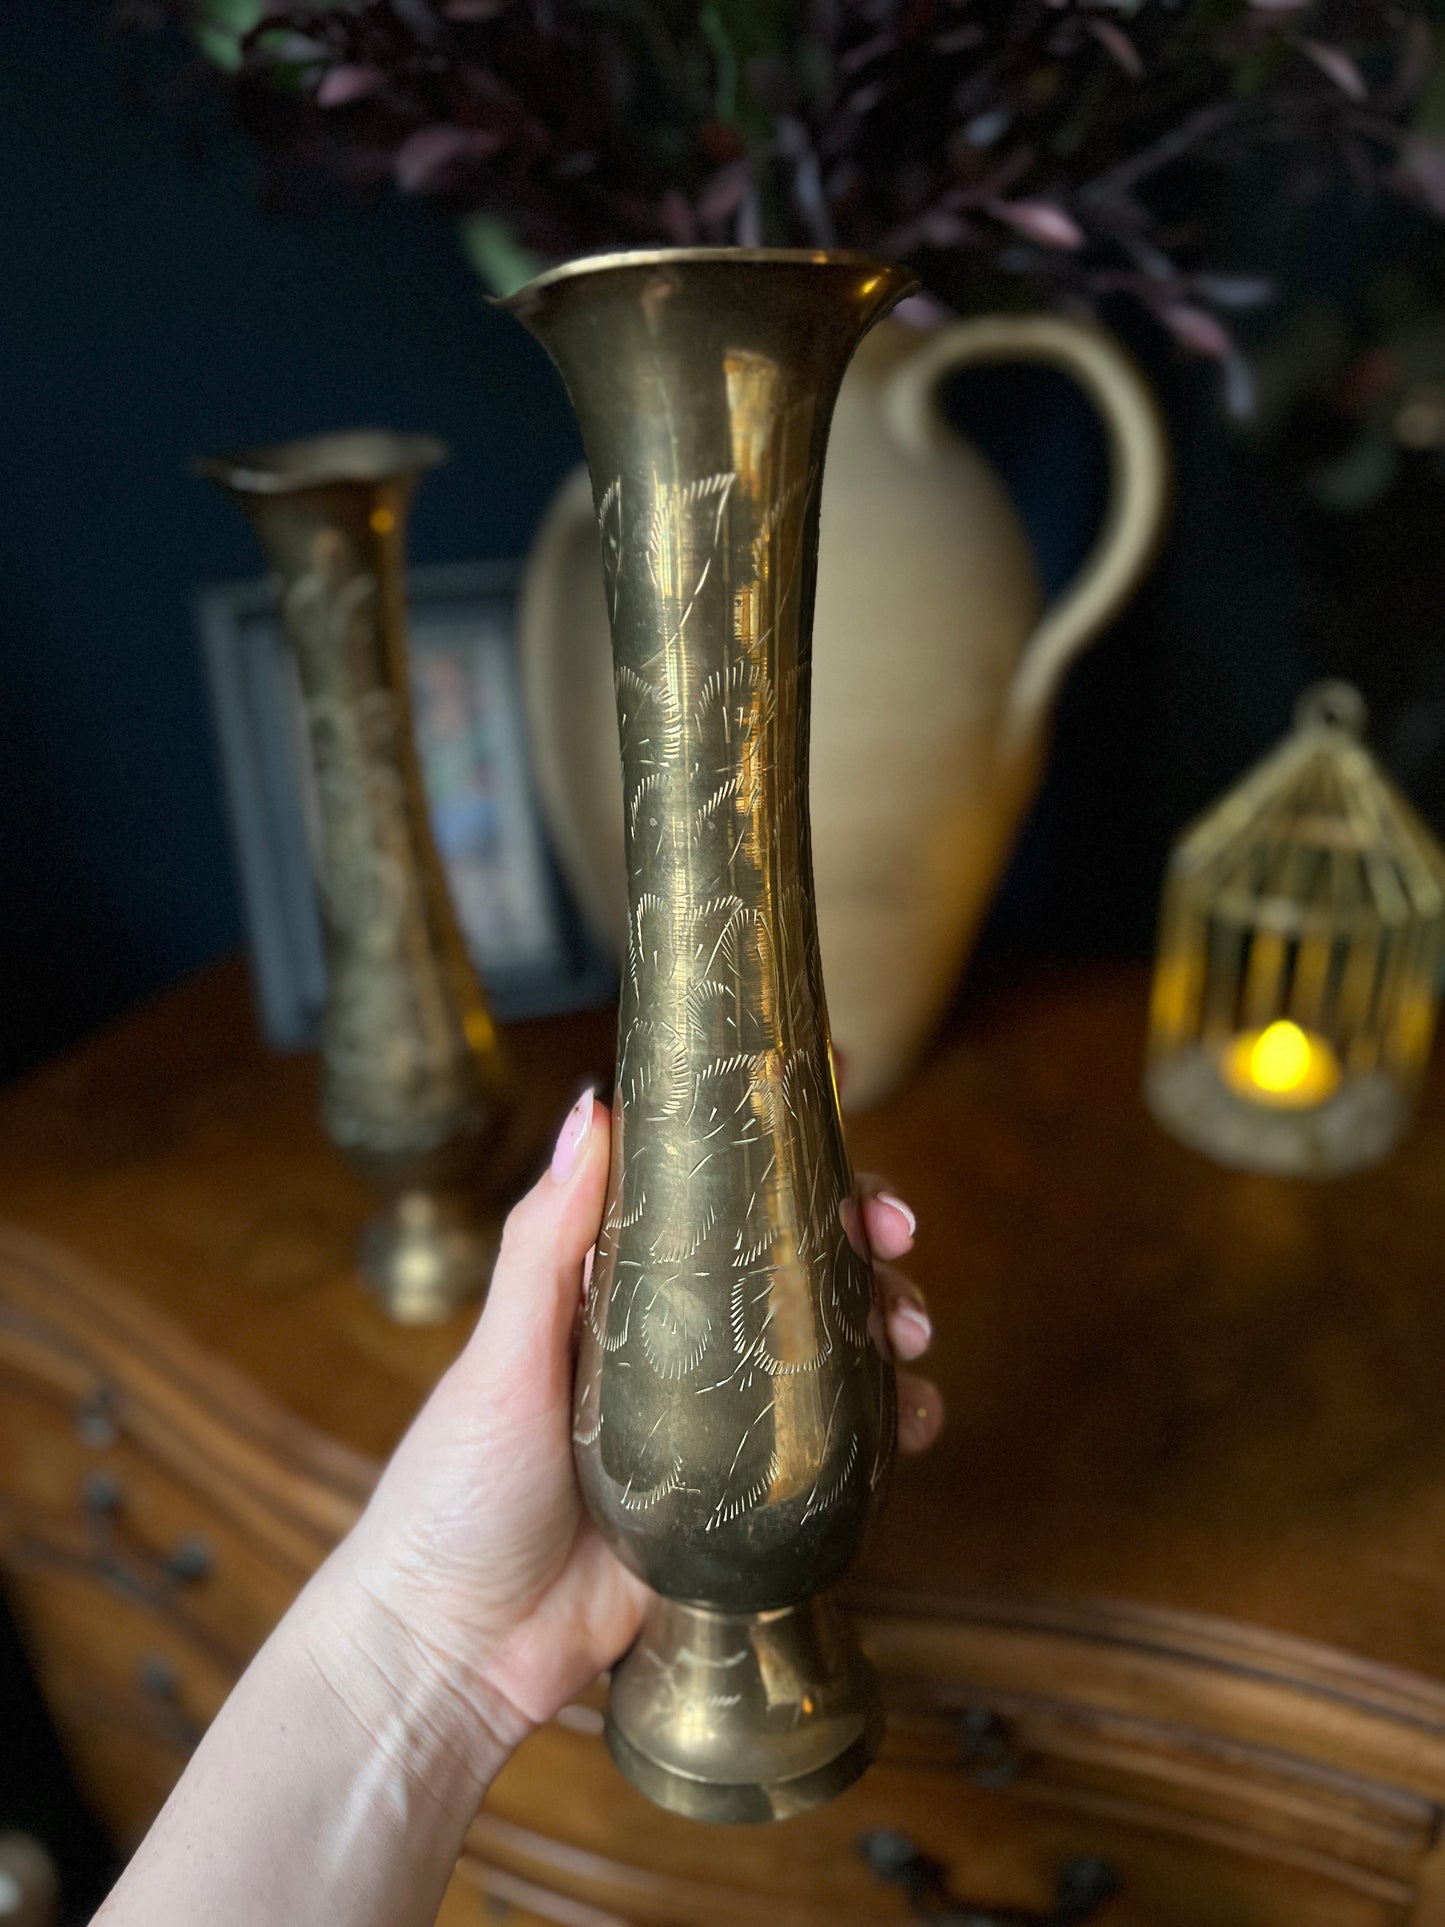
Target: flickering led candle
[(1301, 953), (1283, 1066)]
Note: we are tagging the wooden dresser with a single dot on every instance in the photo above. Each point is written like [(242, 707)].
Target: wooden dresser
[(1169, 1595)]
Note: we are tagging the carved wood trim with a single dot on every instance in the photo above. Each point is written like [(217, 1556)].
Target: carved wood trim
[(61, 1324)]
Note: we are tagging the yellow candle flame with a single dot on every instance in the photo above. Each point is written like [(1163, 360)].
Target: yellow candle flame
[(1282, 1065), (1280, 1057)]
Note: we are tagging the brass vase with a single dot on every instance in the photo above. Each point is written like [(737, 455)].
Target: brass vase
[(735, 1410), (413, 1086)]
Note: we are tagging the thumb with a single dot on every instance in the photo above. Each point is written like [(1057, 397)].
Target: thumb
[(524, 1334)]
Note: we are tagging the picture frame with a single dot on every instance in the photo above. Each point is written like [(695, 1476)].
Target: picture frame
[(530, 947)]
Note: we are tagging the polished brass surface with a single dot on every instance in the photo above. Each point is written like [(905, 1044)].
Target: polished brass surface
[(745, 1716), (735, 1407), (413, 1088)]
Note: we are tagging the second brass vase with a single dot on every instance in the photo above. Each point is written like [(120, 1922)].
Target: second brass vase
[(735, 1410), (413, 1083)]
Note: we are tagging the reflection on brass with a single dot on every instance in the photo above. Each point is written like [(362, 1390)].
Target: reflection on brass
[(735, 1409), (412, 1082)]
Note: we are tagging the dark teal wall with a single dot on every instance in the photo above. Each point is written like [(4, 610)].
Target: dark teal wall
[(149, 312)]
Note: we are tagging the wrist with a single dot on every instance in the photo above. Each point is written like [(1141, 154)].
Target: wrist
[(433, 1720)]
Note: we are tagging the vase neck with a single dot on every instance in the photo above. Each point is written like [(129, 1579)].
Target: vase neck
[(688, 365), (330, 514), (705, 383)]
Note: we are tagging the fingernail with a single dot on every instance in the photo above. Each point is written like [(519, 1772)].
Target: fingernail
[(572, 1137), (897, 1204), (914, 1319)]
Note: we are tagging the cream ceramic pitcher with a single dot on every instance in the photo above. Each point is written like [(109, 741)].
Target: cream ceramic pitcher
[(934, 671)]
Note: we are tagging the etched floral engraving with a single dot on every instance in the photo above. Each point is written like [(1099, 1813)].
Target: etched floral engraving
[(725, 1276), (399, 1071)]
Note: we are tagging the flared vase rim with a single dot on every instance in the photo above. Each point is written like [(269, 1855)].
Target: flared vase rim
[(584, 266), (360, 456)]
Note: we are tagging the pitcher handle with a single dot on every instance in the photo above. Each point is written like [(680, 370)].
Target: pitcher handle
[(1138, 468)]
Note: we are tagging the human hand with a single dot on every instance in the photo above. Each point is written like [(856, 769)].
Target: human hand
[(475, 1549)]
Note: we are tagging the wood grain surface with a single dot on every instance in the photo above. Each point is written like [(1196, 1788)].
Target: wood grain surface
[(1183, 1540)]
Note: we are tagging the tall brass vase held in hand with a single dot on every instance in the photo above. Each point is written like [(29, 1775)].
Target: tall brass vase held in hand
[(412, 1081), (735, 1411)]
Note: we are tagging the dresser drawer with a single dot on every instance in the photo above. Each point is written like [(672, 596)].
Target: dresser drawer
[(157, 1517), (129, 1455), (482, 1895), (1227, 1780), (130, 1692), (602, 1845), (76, 1490)]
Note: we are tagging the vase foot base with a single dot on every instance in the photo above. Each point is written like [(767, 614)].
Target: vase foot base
[(744, 1716), (725, 1801), (426, 1256)]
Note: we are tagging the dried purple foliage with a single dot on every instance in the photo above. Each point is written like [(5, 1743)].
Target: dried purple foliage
[(1046, 140)]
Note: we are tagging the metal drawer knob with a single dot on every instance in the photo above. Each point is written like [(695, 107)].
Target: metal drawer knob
[(160, 1683), (1081, 1889), (101, 1494), (988, 1754), (140, 1575), (189, 1560), (95, 1419)]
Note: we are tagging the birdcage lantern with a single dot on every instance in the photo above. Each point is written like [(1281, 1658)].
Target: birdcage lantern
[(1301, 939)]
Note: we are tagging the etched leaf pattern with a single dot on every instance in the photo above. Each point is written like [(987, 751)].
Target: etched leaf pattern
[(724, 1088), (399, 1072)]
